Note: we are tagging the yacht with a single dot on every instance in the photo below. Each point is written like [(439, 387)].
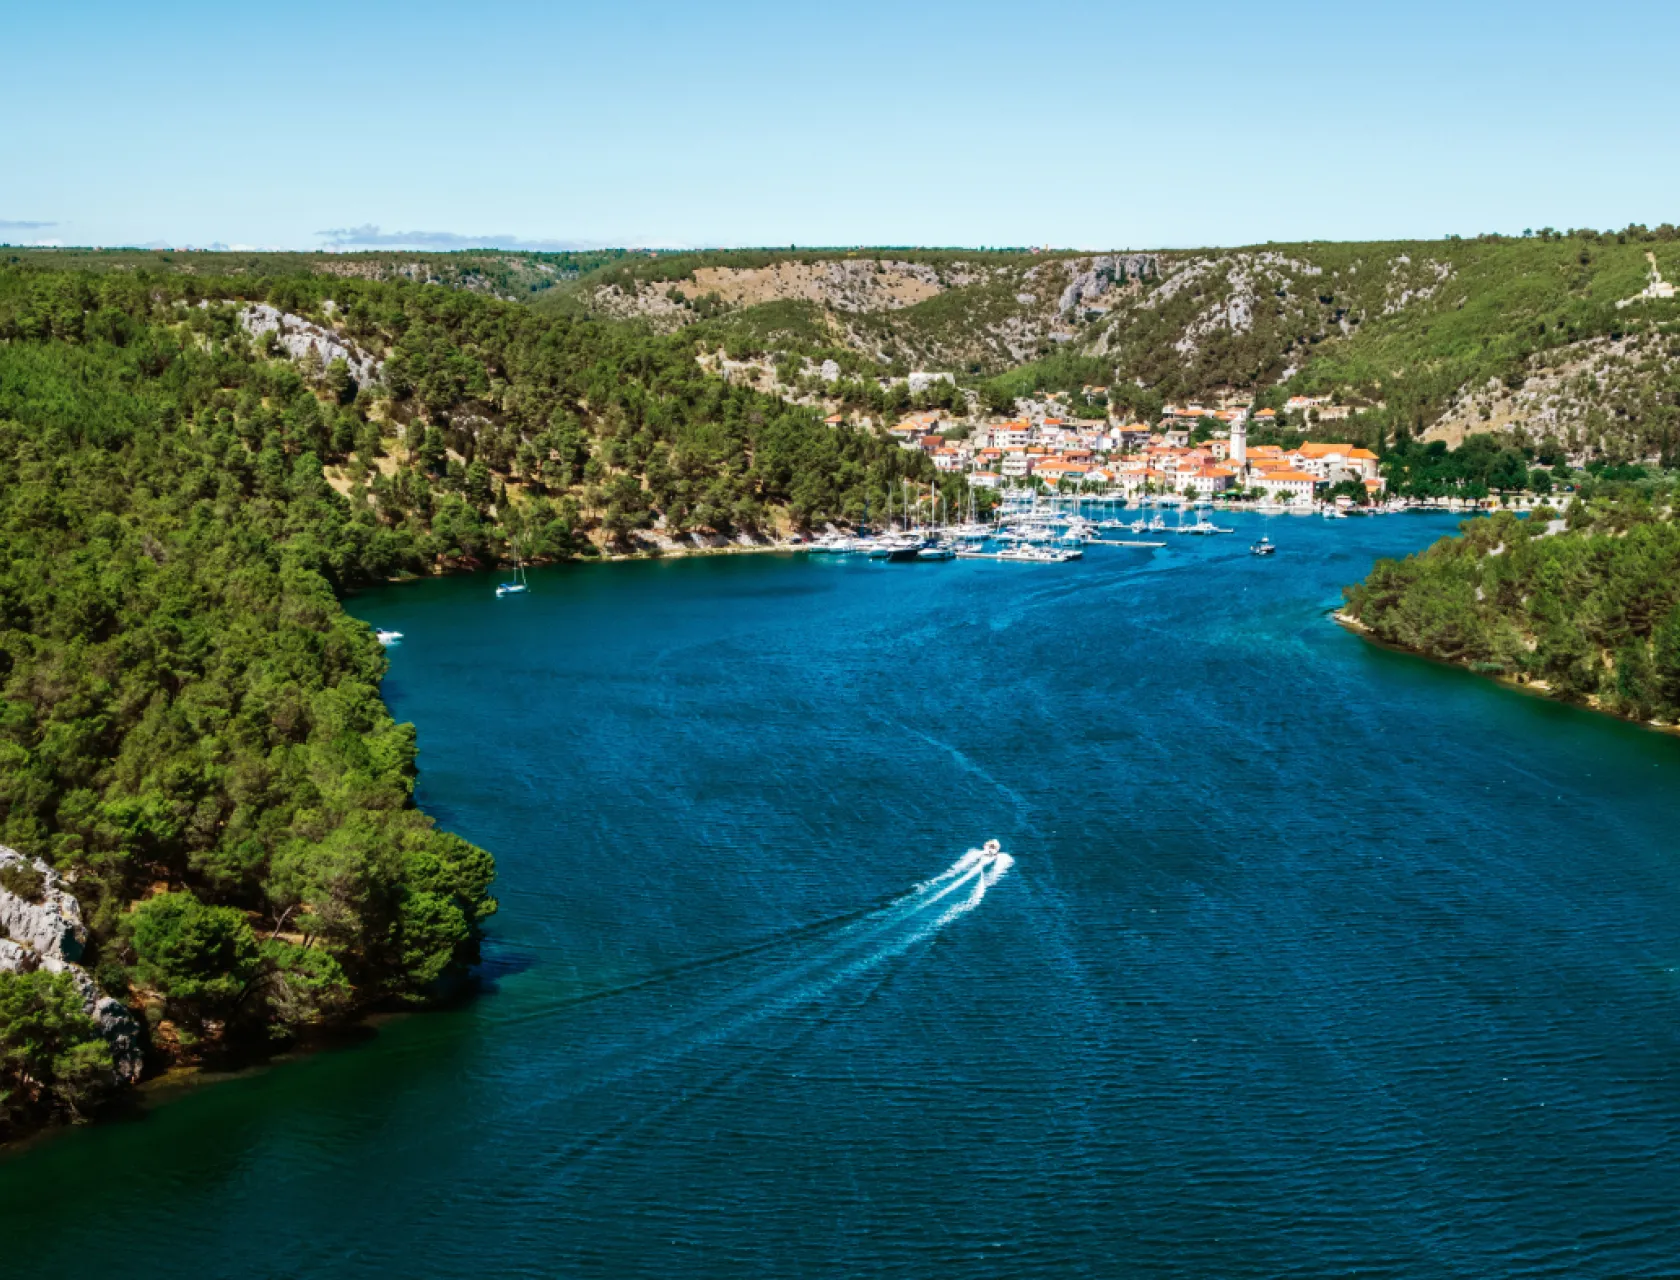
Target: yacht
[(937, 551), (518, 584), (1032, 553), (387, 638), (899, 547)]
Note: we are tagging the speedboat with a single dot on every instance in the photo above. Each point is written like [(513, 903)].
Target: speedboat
[(387, 637), (509, 588), (1264, 547)]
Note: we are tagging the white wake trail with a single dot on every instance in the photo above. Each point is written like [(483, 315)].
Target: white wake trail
[(854, 950)]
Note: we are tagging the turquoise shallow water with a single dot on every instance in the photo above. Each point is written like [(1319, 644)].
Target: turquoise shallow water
[(1313, 958)]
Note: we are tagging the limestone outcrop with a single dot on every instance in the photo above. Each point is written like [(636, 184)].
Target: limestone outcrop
[(45, 931)]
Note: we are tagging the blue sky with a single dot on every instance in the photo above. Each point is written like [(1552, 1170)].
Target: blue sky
[(1072, 124)]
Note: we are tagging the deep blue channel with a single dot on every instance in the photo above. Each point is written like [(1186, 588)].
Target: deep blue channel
[(1314, 959)]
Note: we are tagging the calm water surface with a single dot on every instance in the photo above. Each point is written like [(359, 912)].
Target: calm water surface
[(1314, 959)]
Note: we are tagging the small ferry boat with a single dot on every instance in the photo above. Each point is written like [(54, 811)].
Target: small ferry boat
[(1264, 547)]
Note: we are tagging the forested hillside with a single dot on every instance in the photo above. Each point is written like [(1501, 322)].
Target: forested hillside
[(491, 272), (1426, 339), (192, 741), (1584, 606)]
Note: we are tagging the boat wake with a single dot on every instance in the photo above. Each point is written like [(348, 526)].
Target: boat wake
[(816, 966), (820, 967)]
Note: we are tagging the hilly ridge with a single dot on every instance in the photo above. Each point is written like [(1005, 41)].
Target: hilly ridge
[(1413, 336)]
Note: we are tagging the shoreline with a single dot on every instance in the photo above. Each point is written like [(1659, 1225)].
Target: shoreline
[(1530, 688)]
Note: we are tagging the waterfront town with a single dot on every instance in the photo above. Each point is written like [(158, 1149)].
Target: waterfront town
[(1049, 447)]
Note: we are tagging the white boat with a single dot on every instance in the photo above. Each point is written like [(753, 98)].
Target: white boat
[(387, 638), (1334, 513), (905, 545), (937, 551), (518, 585), (1264, 547), (1032, 553)]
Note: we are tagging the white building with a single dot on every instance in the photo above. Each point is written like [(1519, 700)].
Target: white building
[(1011, 435), (1286, 486)]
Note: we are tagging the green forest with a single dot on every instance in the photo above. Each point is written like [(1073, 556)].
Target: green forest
[(1583, 605), (191, 729)]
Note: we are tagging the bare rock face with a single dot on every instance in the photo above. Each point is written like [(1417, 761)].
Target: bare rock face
[(51, 927), (46, 932), (1104, 272), (298, 336)]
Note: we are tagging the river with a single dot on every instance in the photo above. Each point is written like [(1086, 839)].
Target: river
[(1311, 958)]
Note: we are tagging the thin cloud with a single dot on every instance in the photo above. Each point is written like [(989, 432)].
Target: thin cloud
[(369, 236), (10, 224)]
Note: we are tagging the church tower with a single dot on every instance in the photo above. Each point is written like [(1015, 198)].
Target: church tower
[(1239, 444)]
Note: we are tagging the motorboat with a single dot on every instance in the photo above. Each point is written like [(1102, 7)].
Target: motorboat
[(1264, 547), (937, 551), (1033, 553), (387, 638)]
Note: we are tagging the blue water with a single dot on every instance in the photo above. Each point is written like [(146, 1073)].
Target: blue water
[(1313, 959)]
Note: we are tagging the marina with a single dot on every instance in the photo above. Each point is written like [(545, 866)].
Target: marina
[(1027, 528)]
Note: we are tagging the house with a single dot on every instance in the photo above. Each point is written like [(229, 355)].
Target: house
[(1208, 480), (1326, 460), (1286, 486), (1011, 435), (1060, 473), (985, 479), (1142, 480)]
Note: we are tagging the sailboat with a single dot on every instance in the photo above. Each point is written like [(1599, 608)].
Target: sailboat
[(518, 584)]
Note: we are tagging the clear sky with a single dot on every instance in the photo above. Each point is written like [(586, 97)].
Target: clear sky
[(653, 122)]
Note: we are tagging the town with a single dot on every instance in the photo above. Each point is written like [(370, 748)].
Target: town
[(1194, 452)]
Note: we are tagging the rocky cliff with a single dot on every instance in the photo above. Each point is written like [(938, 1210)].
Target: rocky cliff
[(45, 931)]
